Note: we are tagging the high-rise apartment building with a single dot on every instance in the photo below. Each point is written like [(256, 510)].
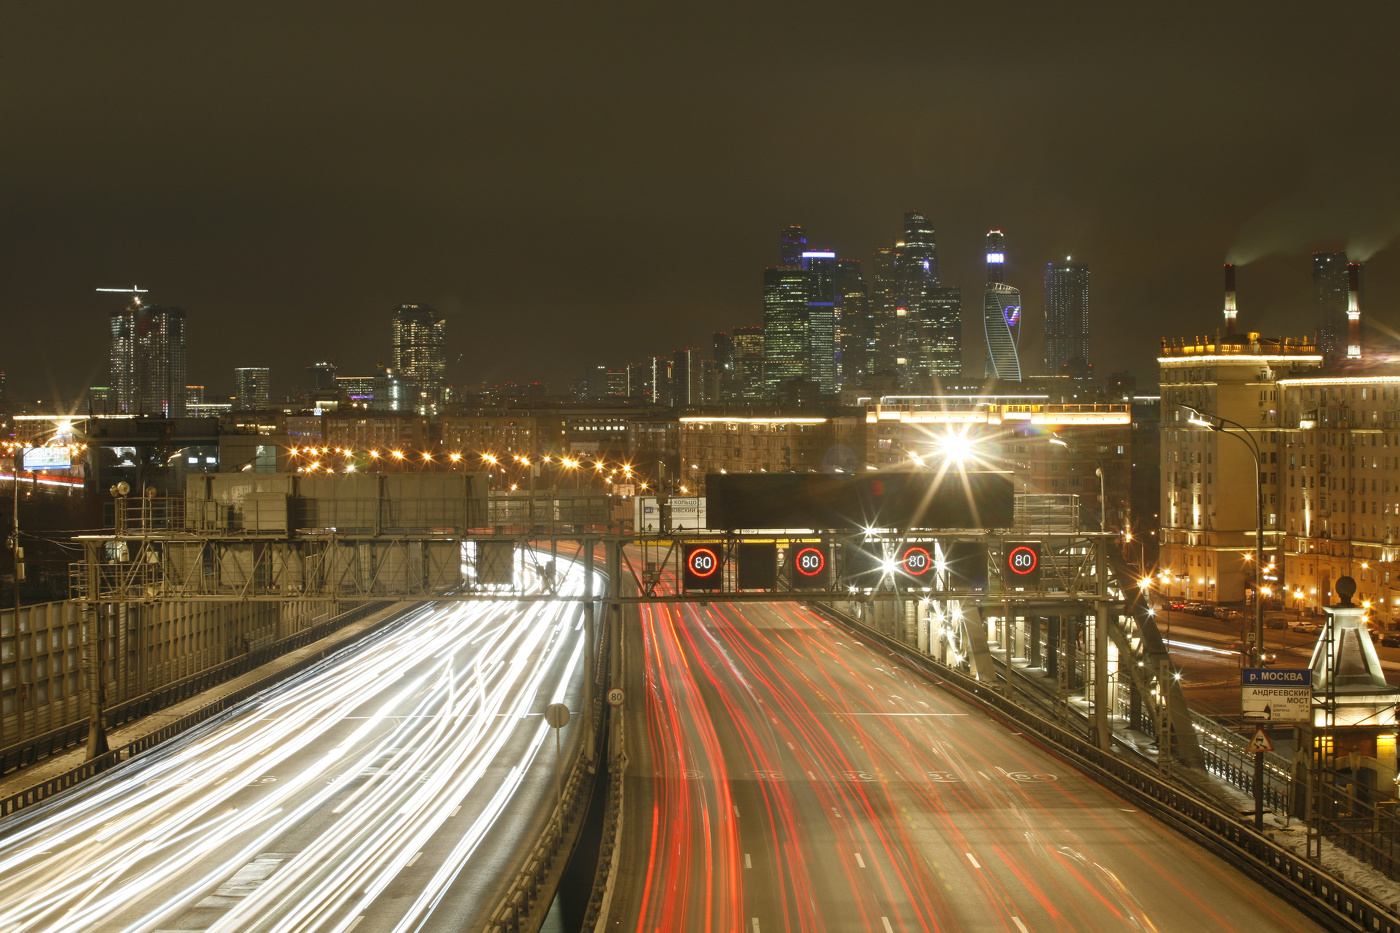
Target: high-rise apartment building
[(794, 244), (821, 267), (688, 378), (320, 377), (1066, 318), (785, 326), (252, 388), (420, 351), (1329, 274), (1001, 314), (148, 359)]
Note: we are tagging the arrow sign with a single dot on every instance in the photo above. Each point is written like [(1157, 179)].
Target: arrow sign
[(1260, 743)]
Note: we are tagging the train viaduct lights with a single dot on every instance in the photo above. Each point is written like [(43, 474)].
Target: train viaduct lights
[(1021, 563), (808, 565), (703, 567)]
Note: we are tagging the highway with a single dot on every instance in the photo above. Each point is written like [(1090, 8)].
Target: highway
[(785, 776), (392, 789)]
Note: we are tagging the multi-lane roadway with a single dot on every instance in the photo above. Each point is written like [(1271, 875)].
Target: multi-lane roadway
[(391, 790), (786, 776)]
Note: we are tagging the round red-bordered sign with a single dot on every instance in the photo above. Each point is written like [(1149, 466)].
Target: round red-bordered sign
[(1022, 560), (809, 561), (703, 562), (917, 561)]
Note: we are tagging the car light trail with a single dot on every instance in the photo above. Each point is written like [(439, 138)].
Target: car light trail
[(332, 787)]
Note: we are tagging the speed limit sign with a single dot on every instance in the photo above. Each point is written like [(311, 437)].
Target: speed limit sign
[(1022, 563), (809, 566), (702, 567), (916, 561), (615, 696)]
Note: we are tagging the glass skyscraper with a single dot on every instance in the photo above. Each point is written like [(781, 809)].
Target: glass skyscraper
[(1329, 272), (785, 326), (1066, 318), (1001, 314), (420, 351), (821, 318)]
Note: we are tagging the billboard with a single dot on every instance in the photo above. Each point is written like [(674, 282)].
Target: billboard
[(922, 499), (45, 458)]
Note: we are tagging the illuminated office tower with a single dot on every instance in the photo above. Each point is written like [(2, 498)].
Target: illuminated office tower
[(1001, 314), (747, 343), (855, 328), (148, 359), (821, 270), (936, 335), (1067, 318), (888, 314), (420, 352), (252, 388), (785, 326)]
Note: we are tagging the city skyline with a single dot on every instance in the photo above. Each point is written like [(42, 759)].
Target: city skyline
[(349, 213)]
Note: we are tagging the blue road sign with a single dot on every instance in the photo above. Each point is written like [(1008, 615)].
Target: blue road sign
[(1275, 677)]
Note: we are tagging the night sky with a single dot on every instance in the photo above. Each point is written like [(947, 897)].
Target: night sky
[(574, 187)]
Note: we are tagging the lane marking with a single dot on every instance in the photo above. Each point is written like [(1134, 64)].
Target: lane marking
[(1019, 925), (748, 862), (755, 925), (736, 811), (791, 746), (972, 860), (886, 922), (415, 858), (908, 714), (838, 813), (354, 923), (455, 812), (984, 775), (860, 861), (811, 775)]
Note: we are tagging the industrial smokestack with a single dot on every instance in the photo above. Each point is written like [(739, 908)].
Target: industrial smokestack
[(1230, 309), (1353, 310)]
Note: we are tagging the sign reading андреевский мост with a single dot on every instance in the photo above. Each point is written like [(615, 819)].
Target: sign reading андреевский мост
[(1276, 694)]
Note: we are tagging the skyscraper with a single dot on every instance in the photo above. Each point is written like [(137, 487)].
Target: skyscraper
[(1001, 314), (420, 350), (147, 358), (821, 318), (794, 244), (748, 362), (1066, 318), (888, 314), (1329, 272), (936, 330), (252, 388), (855, 328), (785, 326)]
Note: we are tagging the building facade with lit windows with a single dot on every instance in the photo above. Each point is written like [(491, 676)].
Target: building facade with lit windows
[(1208, 517), (420, 352), (768, 444), (1340, 487)]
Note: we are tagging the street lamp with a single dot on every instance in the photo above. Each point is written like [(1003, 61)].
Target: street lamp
[(1217, 423), (1098, 471)]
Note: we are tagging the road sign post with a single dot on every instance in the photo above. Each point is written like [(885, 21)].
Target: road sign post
[(557, 715), (1271, 695)]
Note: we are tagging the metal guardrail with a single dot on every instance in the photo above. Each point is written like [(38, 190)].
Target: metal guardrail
[(1327, 899), (1224, 755), (33, 750), (180, 690)]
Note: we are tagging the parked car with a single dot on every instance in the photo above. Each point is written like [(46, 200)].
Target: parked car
[(1277, 622), (1306, 626), (1228, 615), (1390, 639)]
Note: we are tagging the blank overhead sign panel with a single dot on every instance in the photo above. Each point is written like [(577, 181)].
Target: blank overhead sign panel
[(848, 503)]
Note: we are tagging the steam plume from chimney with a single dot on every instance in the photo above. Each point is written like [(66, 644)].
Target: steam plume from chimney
[(1353, 310)]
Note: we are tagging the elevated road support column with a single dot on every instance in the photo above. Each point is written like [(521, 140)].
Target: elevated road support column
[(1101, 735)]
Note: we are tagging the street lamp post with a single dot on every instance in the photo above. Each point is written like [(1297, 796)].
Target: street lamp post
[(1217, 423)]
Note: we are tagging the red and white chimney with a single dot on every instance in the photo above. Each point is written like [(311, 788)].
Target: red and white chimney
[(1230, 309), (1353, 310)]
